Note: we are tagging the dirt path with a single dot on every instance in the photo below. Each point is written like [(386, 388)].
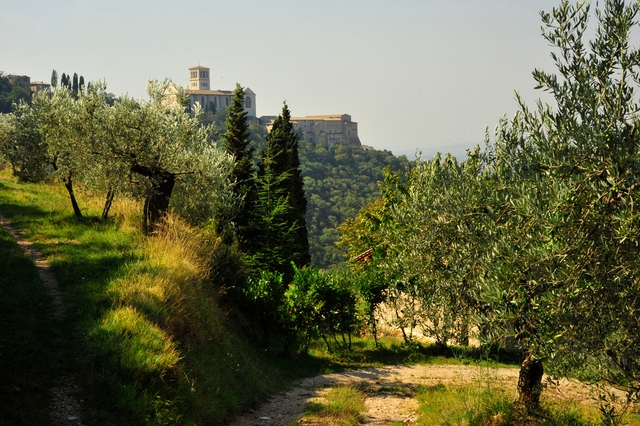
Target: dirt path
[(65, 405), (385, 405)]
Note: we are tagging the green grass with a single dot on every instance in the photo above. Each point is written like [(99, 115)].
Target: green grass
[(395, 352), (344, 406), (144, 335), (485, 405)]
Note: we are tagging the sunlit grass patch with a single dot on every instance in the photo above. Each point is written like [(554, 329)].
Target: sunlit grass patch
[(440, 404), (142, 346), (393, 351), (344, 406), (482, 405)]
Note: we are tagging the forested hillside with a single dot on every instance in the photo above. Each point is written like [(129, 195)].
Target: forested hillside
[(10, 93), (338, 181)]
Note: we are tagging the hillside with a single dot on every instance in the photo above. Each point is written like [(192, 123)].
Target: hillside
[(338, 181)]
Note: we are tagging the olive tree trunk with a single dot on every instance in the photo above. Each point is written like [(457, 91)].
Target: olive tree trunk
[(156, 203), (530, 382)]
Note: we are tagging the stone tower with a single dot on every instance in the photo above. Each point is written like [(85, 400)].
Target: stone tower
[(199, 78)]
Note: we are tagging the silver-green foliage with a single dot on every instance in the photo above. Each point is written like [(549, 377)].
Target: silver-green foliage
[(537, 236), (566, 267), (101, 145), (436, 235)]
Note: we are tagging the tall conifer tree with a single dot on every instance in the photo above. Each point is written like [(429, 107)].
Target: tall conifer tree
[(280, 166), (74, 86), (236, 143)]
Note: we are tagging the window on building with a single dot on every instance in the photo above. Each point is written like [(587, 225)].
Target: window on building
[(247, 102), (227, 101)]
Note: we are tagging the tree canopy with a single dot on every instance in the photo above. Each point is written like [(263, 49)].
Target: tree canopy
[(537, 235), (143, 148)]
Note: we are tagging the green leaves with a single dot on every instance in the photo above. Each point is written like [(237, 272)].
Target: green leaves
[(571, 235), (101, 145)]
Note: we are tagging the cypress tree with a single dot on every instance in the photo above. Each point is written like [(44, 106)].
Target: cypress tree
[(54, 79), (295, 187), (63, 80), (280, 166), (270, 237), (236, 143), (81, 84), (74, 86)]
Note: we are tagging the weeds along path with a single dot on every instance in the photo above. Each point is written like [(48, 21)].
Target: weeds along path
[(390, 391), (65, 407)]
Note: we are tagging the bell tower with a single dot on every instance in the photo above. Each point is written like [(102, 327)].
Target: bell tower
[(199, 78)]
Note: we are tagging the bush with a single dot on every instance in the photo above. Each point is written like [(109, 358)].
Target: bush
[(323, 305)]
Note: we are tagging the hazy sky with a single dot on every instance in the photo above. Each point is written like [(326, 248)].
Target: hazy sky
[(414, 74)]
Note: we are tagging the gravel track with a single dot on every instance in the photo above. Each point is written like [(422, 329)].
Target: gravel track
[(386, 407)]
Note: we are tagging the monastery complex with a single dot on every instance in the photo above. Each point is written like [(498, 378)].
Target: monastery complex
[(199, 91), (330, 129)]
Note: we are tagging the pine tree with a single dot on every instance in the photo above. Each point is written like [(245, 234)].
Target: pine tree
[(236, 143)]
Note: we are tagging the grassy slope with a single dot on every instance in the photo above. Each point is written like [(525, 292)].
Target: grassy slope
[(149, 344)]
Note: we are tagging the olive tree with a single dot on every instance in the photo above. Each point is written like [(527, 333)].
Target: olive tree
[(161, 147), (46, 140), (565, 271), (146, 148), (440, 234)]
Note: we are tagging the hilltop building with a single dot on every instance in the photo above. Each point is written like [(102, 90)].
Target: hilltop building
[(329, 129), (21, 81), (24, 82), (199, 91), (37, 86)]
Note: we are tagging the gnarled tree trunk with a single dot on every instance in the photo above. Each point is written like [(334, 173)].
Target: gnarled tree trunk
[(156, 203), (530, 382), (68, 183)]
